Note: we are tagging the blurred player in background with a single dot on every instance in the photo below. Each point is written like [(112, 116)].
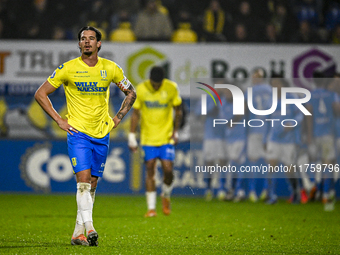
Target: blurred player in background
[(303, 160), (256, 138), (214, 146), (86, 81), (235, 139), (282, 142), (335, 86), (324, 107), (157, 99)]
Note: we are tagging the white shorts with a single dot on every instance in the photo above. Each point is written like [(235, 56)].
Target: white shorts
[(235, 151), (255, 147), (282, 152), (325, 147), (214, 149)]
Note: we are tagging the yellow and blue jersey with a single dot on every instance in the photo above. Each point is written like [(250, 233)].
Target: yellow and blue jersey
[(87, 91), (156, 108)]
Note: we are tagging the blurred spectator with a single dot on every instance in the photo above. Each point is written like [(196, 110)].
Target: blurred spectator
[(102, 31), (59, 33), (7, 21), (152, 25), (240, 33), (43, 16), (335, 38), (162, 8), (305, 34), (36, 25), (184, 32), (98, 15), (271, 34), (284, 22), (215, 23), (64, 17), (261, 9), (211, 20), (332, 16), (196, 8), (307, 10), (128, 8), (252, 24), (124, 32)]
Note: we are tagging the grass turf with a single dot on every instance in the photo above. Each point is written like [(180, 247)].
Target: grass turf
[(43, 224)]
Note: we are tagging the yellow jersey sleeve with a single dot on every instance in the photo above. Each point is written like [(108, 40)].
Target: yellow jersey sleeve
[(119, 74), (177, 100), (58, 77)]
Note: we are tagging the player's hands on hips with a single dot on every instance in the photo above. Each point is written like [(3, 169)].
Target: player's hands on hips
[(63, 124), (116, 120), (132, 142)]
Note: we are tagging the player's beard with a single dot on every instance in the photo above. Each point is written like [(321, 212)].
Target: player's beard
[(88, 53)]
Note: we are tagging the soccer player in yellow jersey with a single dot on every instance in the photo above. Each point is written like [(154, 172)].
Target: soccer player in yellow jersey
[(158, 98), (86, 81)]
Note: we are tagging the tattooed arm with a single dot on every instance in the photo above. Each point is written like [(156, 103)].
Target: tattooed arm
[(130, 98)]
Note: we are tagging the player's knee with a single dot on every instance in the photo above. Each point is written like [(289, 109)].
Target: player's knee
[(84, 176), (83, 187), (168, 174), (168, 179), (94, 183), (84, 179)]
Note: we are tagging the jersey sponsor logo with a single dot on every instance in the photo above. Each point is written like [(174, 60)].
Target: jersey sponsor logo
[(82, 72), (155, 104), (89, 87), (103, 74)]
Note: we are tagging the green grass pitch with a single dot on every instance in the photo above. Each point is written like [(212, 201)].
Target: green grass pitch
[(43, 224)]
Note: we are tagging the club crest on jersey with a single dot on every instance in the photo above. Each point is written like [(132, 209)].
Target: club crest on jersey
[(103, 74)]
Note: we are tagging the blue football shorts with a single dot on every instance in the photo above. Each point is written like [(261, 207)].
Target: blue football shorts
[(165, 152), (86, 152)]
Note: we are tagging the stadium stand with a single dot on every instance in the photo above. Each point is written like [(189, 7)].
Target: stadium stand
[(212, 21)]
